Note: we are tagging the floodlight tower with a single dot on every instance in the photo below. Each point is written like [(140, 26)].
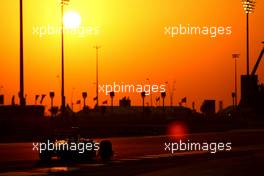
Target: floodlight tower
[(21, 91), (248, 6), (97, 77), (235, 57), (63, 3)]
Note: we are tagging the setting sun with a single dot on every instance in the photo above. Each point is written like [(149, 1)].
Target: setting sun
[(72, 20)]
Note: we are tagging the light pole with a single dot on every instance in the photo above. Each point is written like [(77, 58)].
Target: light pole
[(84, 95), (150, 93), (234, 100), (143, 95), (21, 92), (171, 91), (52, 95), (72, 97), (63, 3), (97, 77), (235, 57), (248, 6), (163, 95), (112, 95)]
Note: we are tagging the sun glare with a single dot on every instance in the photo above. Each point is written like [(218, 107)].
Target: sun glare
[(72, 20)]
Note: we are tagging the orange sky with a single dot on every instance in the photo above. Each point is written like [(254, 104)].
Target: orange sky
[(134, 47)]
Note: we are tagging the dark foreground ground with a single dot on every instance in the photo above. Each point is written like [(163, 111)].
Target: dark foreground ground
[(146, 156)]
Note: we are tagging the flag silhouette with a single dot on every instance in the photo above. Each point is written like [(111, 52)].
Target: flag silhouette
[(184, 100), (36, 98), (105, 102), (158, 99), (42, 98)]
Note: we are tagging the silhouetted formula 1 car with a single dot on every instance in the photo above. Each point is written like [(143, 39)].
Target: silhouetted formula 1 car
[(75, 148)]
